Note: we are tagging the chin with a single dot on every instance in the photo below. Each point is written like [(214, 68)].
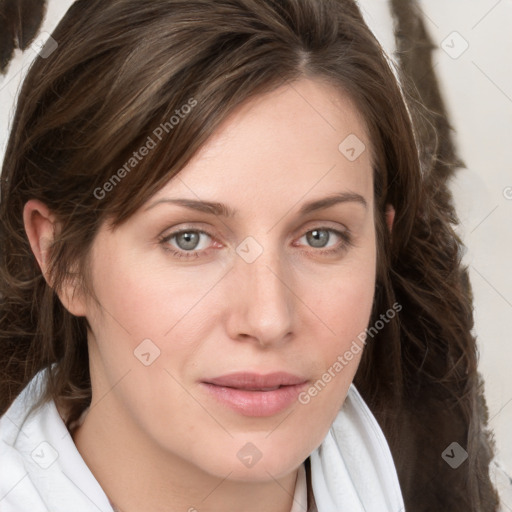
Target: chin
[(262, 460)]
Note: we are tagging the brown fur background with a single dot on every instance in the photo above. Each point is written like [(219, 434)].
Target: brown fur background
[(20, 21)]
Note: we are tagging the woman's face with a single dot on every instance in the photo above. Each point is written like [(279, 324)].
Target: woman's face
[(191, 298)]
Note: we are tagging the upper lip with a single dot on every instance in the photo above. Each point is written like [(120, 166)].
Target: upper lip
[(255, 381)]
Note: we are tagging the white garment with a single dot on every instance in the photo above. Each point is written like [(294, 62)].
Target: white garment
[(41, 469)]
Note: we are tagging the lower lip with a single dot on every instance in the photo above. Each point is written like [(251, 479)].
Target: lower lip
[(256, 403)]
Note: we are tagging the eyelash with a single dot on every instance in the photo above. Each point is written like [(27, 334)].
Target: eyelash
[(344, 244)]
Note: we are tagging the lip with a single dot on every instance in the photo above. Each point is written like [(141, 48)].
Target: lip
[(252, 394)]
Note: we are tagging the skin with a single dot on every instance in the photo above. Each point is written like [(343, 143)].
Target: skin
[(153, 438)]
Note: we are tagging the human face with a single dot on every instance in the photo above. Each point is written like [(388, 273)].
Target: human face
[(268, 289)]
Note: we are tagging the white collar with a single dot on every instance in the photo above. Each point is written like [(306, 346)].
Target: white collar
[(352, 470)]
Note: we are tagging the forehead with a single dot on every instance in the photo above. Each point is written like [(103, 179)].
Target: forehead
[(304, 138)]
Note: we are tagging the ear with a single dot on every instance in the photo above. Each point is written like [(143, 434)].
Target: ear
[(41, 226), (390, 216)]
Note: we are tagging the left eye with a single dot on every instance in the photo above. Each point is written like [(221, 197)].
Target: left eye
[(188, 240), (319, 238)]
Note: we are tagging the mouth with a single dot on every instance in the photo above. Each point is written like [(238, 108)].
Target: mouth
[(253, 394)]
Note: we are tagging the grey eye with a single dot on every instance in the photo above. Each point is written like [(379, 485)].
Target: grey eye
[(187, 240), (318, 237)]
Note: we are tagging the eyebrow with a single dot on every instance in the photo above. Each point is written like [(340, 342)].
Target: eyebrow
[(222, 210)]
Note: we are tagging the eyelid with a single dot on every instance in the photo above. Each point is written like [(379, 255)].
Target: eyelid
[(173, 234), (344, 234)]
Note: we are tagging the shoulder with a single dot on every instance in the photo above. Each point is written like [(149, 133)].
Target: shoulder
[(42, 468), (15, 449), (13, 420)]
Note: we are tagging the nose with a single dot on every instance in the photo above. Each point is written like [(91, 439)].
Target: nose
[(261, 305)]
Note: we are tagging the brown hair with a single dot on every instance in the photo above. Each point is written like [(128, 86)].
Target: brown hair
[(124, 67)]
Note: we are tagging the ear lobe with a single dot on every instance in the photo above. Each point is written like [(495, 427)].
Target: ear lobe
[(41, 227), (390, 216)]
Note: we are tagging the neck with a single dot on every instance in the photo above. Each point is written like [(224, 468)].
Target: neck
[(145, 477)]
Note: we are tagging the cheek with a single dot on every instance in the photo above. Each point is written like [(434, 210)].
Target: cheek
[(142, 300), (154, 315), (347, 316), (352, 304), (342, 316), (343, 300)]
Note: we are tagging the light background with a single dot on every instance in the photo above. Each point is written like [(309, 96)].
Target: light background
[(477, 87)]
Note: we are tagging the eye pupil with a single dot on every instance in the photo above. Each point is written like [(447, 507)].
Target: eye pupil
[(318, 237), (189, 238)]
